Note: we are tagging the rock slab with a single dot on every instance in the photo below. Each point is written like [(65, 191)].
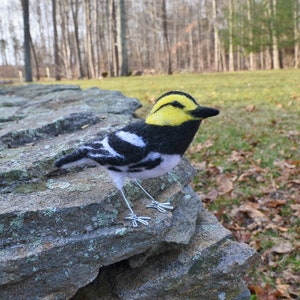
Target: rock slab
[(63, 234)]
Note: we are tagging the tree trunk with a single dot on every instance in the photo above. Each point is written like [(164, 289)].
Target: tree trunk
[(27, 56), (230, 24), (96, 33), (200, 51), (274, 40), (166, 37), (3, 46), (216, 37), (74, 9), (191, 49), (88, 41), (112, 38), (223, 58), (296, 35), (15, 43), (65, 40), (42, 32), (56, 49), (35, 58), (250, 36), (121, 38)]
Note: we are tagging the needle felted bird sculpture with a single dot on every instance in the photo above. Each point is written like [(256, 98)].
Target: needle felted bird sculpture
[(146, 149)]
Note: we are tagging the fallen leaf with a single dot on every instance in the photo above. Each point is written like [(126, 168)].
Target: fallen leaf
[(282, 248), (295, 181), (200, 166), (295, 207), (259, 178), (254, 172), (211, 196), (275, 202), (263, 293), (290, 276), (283, 290), (213, 170), (237, 156), (198, 147), (280, 228), (257, 216), (250, 108), (284, 164), (225, 184), (292, 133), (277, 219)]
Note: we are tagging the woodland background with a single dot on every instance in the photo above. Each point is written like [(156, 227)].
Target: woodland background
[(98, 38)]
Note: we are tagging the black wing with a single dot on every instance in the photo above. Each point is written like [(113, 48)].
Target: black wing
[(123, 147)]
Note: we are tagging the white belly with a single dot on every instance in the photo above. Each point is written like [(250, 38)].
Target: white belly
[(167, 164)]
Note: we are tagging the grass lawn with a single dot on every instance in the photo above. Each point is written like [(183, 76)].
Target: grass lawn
[(248, 161)]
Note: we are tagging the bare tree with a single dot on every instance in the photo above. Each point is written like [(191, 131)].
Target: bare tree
[(166, 37), (27, 56), (75, 9), (55, 39), (250, 34), (88, 40), (121, 38), (3, 46), (216, 37), (16, 45), (230, 25), (296, 34), (96, 32), (271, 6), (35, 58), (112, 41), (200, 43)]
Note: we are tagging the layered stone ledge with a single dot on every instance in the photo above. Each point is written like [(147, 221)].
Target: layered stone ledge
[(63, 234)]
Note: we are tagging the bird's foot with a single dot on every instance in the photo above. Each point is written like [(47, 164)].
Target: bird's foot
[(135, 219), (160, 206)]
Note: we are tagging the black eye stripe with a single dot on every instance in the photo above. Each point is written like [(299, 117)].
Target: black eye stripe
[(173, 103), (177, 104)]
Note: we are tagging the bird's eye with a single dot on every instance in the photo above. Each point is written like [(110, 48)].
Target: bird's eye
[(177, 104)]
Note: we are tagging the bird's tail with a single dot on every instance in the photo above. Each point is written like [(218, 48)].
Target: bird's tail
[(75, 156)]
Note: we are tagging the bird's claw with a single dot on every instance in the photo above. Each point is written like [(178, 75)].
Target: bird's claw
[(160, 206), (135, 219)]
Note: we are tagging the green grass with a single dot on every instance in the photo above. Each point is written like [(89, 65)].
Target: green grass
[(255, 141)]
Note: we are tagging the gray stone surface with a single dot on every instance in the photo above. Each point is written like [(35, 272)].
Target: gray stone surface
[(63, 234)]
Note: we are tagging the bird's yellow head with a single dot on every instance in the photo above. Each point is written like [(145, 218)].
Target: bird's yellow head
[(175, 108)]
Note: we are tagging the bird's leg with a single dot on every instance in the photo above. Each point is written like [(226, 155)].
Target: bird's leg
[(133, 217), (155, 204)]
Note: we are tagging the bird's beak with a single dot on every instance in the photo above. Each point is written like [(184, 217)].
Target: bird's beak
[(204, 112)]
